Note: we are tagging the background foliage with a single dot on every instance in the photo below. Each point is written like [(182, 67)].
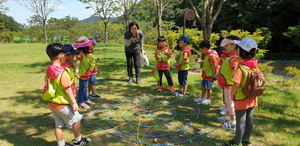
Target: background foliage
[(274, 23)]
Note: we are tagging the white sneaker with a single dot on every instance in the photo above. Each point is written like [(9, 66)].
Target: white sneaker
[(223, 112), (229, 126), (200, 99), (223, 107), (206, 101)]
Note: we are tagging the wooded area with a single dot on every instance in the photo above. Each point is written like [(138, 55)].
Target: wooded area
[(276, 20)]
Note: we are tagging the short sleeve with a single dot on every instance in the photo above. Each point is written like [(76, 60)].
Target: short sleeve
[(65, 80), (186, 55), (234, 62), (237, 76), (212, 60)]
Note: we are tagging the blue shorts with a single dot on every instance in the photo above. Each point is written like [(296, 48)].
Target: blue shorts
[(182, 77), (207, 84), (93, 80)]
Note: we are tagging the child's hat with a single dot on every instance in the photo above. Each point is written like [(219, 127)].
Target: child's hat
[(83, 42), (225, 42), (70, 50), (184, 38), (94, 41), (247, 44)]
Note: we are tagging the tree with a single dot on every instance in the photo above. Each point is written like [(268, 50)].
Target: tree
[(2, 7), (64, 27), (104, 9), (32, 32), (9, 23), (160, 5), (42, 9), (207, 18), (128, 7), (294, 34)]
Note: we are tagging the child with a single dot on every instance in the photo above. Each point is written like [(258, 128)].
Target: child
[(69, 66), (83, 70), (210, 69), (244, 106), (92, 79), (223, 56), (162, 55), (221, 60), (63, 106), (226, 72), (182, 65)]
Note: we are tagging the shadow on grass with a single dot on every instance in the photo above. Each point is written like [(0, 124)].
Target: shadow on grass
[(38, 67), (35, 119)]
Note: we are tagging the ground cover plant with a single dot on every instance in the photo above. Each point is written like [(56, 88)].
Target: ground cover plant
[(27, 121)]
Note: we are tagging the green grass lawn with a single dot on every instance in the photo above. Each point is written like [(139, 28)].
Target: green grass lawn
[(27, 121)]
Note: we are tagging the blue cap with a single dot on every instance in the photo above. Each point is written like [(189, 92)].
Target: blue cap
[(222, 48), (70, 50), (184, 38), (94, 41)]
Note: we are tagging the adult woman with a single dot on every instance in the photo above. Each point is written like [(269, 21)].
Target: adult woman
[(133, 46)]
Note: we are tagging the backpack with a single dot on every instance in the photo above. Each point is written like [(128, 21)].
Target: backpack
[(255, 83)]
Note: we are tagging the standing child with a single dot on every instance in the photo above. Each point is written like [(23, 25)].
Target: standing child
[(221, 60), (162, 55), (210, 69), (63, 106), (226, 72), (83, 70), (244, 106), (69, 66), (93, 79), (182, 65)]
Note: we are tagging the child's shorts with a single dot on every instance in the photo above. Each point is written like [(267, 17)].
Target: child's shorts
[(207, 84), (182, 77), (65, 115), (93, 80)]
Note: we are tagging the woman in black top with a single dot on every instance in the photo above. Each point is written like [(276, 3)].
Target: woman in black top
[(133, 47)]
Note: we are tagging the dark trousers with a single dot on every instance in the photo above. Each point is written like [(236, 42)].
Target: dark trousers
[(168, 77), (136, 60), (244, 124)]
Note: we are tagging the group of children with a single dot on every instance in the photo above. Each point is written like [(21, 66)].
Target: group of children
[(228, 70), (61, 73)]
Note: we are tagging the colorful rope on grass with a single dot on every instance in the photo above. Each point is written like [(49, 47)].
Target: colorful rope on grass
[(145, 103)]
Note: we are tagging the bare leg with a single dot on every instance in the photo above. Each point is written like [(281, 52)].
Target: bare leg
[(209, 93), (203, 92), (58, 134), (184, 88), (89, 88), (76, 129), (181, 88)]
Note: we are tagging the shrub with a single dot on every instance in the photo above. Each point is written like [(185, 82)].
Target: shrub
[(293, 72), (265, 68)]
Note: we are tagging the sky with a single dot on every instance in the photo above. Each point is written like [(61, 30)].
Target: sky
[(73, 8)]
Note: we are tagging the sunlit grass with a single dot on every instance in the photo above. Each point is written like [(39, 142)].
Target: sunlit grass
[(27, 121)]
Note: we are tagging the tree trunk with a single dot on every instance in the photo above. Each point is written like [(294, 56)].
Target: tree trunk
[(105, 31), (45, 31), (159, 17), (126, 17)]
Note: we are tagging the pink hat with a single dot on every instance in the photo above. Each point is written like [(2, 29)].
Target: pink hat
[(83, 42)]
